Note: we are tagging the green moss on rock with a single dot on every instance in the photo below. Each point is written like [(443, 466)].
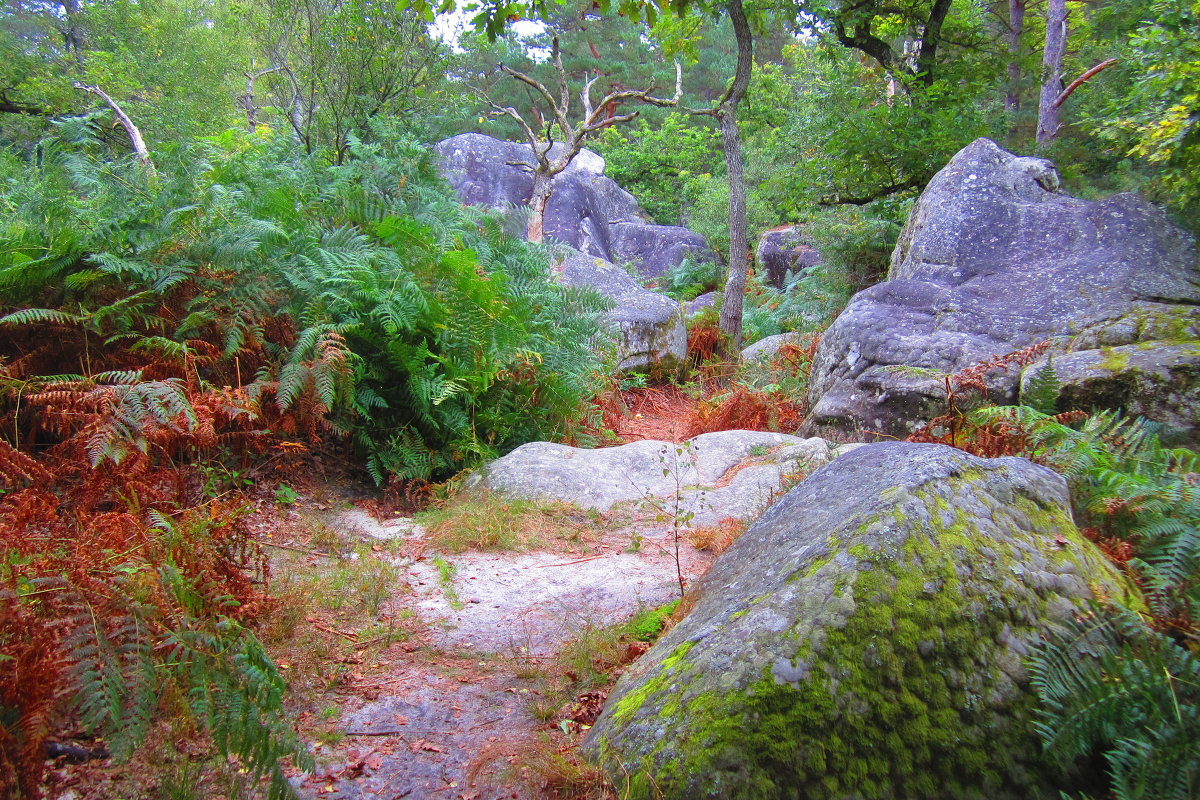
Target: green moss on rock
[(903, 680)]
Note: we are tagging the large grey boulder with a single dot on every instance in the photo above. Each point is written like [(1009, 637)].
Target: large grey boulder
[(649, 326), (863, 640), (654, 249), (714, 475), (785, 251), (994, 258), (587, 210)]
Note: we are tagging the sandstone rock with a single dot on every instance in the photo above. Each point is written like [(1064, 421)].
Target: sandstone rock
[(587, 209), (785, 250), (994, 258), (1156, 381), (716, 475), (766, 348), (706, 300), (650, 328), (863, 639), (654, 249)]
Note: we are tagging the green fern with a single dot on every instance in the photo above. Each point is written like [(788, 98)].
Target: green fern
[(1116, 686)]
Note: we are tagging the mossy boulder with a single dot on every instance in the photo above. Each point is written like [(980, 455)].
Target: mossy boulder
[(864, 639)]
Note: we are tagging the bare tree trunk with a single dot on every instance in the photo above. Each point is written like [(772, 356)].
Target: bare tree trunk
[(739, 249), (537, 204), (248, 98), (1052, 58), (135, 135), (1016, 26), (73, 35)]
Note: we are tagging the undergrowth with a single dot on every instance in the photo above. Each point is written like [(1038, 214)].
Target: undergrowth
[(1123, 682), (242, 299)]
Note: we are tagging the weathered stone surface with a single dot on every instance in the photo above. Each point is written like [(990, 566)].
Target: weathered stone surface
[(767, 347), (587, 210), (994, 258), (654, 249), (863, 639), (650, 327), (1156, 381), (785, 250), (706, 300), (717, 475)]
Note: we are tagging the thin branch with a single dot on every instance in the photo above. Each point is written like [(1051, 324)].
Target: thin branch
[(862, 200), (135, 135), (1075, 84), (9, 107)]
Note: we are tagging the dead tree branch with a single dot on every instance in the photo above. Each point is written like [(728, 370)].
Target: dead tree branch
[(135, 135), (1082, 79)]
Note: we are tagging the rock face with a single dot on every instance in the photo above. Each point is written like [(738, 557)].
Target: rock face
[(726, 474), (587, 210), (649, 326), (863, 640), (994, 258), (784, 250)]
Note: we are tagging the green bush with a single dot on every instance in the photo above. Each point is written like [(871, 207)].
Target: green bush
[(361, 298)]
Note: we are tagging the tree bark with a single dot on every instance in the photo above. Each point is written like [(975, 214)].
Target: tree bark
[(739, 250), (247, 99), (1052, 58), (542, 187), (73, 34), (1016, 26)]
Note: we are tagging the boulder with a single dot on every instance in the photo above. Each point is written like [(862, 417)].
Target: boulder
[(650, 330), (706, 300), (785, 251), (766, 348), (863, 639), (654, 249), (715, 475), (1153, 380), (994, 258), (587, 210)]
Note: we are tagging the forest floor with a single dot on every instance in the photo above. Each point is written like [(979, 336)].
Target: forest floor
[(467, 683), (423, 666), (481, 670)]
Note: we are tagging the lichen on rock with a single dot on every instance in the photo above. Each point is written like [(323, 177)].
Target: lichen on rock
[(864, 639)]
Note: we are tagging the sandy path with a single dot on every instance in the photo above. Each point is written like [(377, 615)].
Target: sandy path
[(446, 721)]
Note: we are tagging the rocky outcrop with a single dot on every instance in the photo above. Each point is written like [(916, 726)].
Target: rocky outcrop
[(587, 210), (785, 251), (706, 300), (649, 327), (863, 639), (993, 258), (715, 475)]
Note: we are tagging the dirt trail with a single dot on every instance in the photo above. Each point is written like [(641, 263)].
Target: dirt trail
[(446, 720)]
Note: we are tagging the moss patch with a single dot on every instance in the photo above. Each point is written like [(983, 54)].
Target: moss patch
[(915, 696)]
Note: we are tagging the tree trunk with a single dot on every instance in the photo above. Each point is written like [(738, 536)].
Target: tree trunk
[(1052, 58), (73, 35), (1016, 26), (537, 206), (739, 250)]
